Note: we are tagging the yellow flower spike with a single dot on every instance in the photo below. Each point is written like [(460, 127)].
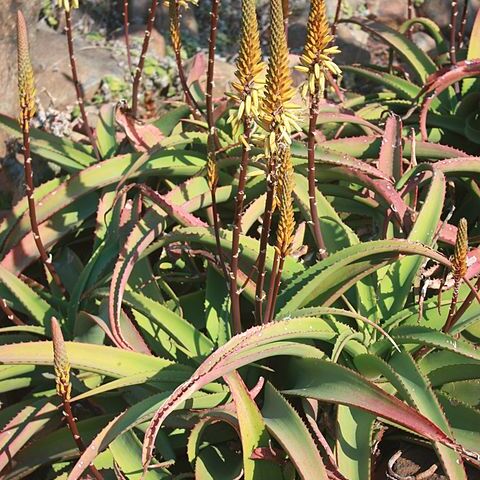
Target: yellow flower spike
[(279, 89), (316, 58), (26, 80), (249, 66)]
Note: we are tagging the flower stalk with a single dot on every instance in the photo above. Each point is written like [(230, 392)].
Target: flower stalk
[(176, 38), (453, 31), (213, 143), (246, 87), (316, 62), (285, 230), (126, 27), (152, 11), (68, 5), (26, 90), (64, 388), (278, 120)]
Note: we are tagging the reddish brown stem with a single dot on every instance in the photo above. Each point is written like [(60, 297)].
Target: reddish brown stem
[(463, 24), (9, 313), (465, 305), (312, 197), (275, 279), (175, 29), (45, 258), (262, 255), (451, 311), (213, 142), (78, 86), (141, 62), (126, 26), (237, 229), (337, 17), (453, 32), (72, 425)]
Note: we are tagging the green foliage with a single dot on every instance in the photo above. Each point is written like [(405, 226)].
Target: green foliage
[(355, 356)]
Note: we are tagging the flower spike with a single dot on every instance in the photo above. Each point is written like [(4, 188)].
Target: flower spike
[(316, 59), (249, 69)]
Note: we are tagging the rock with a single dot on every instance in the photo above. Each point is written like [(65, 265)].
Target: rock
[(52, 67), (353, 44), (8, 47), (223, 73), (156, 46)]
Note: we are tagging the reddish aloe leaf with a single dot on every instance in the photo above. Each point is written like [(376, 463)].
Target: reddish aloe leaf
[(22, 428), (440, 81), (142, 136), (136, 243), (330, 382), (138, 240)]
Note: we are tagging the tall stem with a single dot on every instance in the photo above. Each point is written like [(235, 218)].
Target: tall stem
[(213, 143), (272, 291), (312, 197), (267, 223), (72, 425), (177, 48), (9, 313), (337, 17), (453, 32), (237, 229), (76, 82), (126, 25), (45, 258), (141, 62), (463, 24), (451, 311)]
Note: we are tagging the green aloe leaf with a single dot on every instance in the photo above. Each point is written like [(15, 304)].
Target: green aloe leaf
[(287, 427), (106, 135), (253, 431), (322, 281), (24, 298), (354, 440)]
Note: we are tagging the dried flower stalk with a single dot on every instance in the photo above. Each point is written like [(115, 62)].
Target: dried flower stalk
[(247, 93), (26, 92), (316, 62), (64, 387), (459, 269)]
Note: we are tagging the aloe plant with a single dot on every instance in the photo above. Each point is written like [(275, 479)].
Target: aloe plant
[(164, 355)]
